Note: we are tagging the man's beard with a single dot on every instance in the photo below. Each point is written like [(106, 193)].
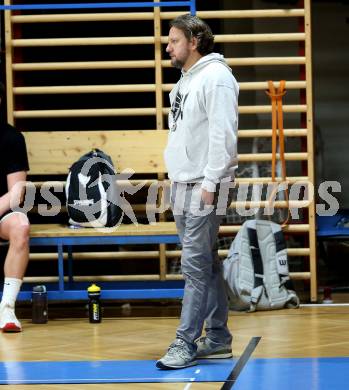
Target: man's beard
[(178, 64)]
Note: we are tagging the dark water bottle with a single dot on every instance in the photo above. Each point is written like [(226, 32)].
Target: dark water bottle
[(94, 304), (39, 305)]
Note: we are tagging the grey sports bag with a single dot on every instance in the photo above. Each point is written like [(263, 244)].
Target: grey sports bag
[(256, 269)]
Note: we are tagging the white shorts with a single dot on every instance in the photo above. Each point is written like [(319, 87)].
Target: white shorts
[(8, 213)]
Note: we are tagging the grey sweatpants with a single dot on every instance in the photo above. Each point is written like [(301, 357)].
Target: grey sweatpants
[(204, 298)]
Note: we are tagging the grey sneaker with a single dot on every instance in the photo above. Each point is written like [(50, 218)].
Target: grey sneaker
[(179, 355), (207, 349)]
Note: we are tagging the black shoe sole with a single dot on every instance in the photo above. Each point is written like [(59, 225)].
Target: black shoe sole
[(162, 366)]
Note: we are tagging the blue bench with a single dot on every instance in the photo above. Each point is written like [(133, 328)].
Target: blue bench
[(333, 226), (65, 239)]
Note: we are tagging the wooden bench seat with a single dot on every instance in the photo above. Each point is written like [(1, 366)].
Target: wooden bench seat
[(159, 228), (56, 230)]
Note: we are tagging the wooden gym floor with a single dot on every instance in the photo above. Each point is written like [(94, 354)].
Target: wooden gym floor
[(306, 347)]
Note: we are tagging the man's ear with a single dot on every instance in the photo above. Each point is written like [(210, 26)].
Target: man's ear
[(194, 43)]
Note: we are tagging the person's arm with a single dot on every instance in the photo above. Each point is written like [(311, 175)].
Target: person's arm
[(222, 112), (16, 191), (15, 167)]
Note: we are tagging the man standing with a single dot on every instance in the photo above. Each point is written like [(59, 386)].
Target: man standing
[(14, 225), (201, 158)]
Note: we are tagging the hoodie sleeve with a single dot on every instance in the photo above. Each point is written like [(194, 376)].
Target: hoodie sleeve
[(222, 113)]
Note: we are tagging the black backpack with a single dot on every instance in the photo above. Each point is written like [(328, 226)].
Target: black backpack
[(91, 192)]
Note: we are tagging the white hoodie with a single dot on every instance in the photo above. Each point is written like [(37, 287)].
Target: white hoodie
[(203, 122)]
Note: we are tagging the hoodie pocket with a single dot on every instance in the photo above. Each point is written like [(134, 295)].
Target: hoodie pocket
[(177, 160)]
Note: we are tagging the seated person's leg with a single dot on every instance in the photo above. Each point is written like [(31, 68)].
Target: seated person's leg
[(14, 227)]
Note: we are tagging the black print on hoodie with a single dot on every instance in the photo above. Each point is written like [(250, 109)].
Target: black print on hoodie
[(177, 108)]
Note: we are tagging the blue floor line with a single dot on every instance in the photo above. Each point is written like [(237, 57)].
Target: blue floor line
[(258, 374), (110, 371)]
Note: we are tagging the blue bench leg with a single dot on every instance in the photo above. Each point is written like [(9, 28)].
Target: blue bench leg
[(60, 268), (70, 264)]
